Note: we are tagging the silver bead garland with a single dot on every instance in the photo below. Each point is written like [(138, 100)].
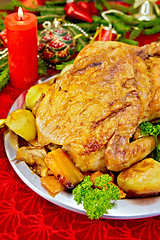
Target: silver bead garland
[(56, 23), (109, 12), (3, 53), (77, 27)]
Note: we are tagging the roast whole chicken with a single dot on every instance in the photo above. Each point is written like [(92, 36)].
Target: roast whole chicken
[(93, 110)]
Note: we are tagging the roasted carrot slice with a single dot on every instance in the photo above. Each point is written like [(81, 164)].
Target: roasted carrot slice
[(62, 167), (52, 184)]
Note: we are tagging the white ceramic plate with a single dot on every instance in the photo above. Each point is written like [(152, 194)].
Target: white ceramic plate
[(123, 209)]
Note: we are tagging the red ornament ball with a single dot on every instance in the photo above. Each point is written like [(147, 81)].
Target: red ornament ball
[(56, 45)]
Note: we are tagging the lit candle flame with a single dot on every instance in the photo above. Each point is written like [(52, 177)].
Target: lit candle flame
[(20, 13)]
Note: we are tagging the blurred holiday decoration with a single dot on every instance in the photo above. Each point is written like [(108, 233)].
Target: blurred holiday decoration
[(3, 53), (146, 9), (4, 70), (55, 44), (92, 7), (78, 10), (83, 21), (3, 38), (105, 34)]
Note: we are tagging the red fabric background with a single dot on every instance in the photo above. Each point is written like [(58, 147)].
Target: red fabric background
[(26, 215)]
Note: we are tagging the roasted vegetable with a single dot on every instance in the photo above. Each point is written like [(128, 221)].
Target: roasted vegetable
[(52, 184), (62, 167), (34, 156), (142, 179), (94, 176), (34, 94), (23, 123), (2, 123), (96, 200)]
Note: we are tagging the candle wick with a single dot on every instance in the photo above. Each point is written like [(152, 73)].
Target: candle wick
[(21, 19)]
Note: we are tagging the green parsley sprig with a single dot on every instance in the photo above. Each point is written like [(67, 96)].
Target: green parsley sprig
[(96, 197), (147, 128)]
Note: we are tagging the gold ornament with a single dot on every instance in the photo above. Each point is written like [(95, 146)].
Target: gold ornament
[(146, 8)]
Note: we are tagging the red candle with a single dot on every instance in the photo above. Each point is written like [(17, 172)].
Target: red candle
[(22, 48)]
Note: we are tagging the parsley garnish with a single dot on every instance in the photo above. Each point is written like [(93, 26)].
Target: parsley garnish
[(96, 197), (148, 128)]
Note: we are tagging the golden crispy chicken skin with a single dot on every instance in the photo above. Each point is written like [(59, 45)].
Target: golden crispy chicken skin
[(93, 109)]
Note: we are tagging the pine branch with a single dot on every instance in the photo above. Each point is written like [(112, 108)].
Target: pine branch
[(129, 9), (126, 18), (106, 4), (17, 3), (55, 3), (4, 78), (89, 28), (152, 30), (2, 17), (42, 19), (42, 67), (135, 33), (128, 41), (4, 72), (3, 62), (120, 26), (80, 41), (130, 2), (49, 8), (2, 66), (98, 19), (63, 64), (55, 10), (98, 5), (8, 6), (151, 23)]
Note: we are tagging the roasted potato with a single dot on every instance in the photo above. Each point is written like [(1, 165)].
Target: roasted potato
[(23, 123), (142, 179), (34, 94)]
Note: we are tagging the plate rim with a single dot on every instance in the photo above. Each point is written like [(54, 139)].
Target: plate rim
[(59, 199)]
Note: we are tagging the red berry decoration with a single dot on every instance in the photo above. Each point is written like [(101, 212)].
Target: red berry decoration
[(55, 44)]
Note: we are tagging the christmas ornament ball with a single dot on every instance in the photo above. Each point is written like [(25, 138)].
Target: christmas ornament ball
[(55, 45)]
